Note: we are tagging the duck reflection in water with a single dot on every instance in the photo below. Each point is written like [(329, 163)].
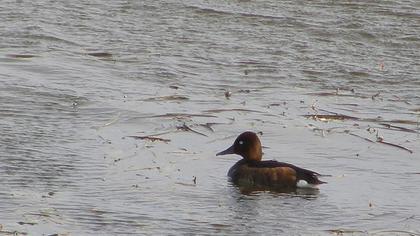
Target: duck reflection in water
[(252, 174)]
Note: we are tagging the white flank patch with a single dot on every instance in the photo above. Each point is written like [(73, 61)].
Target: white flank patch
[(304, 184)]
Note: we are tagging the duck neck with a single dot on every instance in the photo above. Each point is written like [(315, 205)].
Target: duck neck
[(253, 155), (253, 158)]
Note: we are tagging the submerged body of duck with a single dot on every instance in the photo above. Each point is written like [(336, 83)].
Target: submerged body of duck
[(252, 171)]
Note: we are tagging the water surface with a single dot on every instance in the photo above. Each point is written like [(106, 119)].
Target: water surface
[(78, 78)]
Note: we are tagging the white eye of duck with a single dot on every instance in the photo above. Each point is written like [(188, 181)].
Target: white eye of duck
[(241, 142)]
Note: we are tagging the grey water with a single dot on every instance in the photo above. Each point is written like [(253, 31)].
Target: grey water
[(78, 78)]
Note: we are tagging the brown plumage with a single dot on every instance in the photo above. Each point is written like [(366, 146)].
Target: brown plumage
[(252, 171)]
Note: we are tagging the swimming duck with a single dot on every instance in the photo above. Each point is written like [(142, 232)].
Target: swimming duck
[(252, 171)]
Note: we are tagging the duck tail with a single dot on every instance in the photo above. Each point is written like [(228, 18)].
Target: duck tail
[(310, 177)]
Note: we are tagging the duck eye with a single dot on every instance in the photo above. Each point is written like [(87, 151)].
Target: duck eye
[(241, 142)]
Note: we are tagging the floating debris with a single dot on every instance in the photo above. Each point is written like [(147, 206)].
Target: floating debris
[(381, 66), (244, 91), (398, 128), (209, 126), (50, 214), (336, 93), (179, 115), (150, 168), (331, 117), (21, 56), (49, 194), (394, 232), (167, 98), (13, 233), (100, 54), (376, 95), (407, 122), (344, 231), (228, 94), (380, 140), (232, 109), (107, 141), (150, 138), (26, 223), (185, 127)]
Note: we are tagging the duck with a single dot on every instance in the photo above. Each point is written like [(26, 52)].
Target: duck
[(252, 171)]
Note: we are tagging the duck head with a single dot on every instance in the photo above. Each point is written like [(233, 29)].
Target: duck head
[(247, 145)]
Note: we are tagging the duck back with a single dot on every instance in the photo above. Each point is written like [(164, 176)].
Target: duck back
[(271, 174)]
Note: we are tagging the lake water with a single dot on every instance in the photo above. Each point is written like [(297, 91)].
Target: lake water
[(332, 86)]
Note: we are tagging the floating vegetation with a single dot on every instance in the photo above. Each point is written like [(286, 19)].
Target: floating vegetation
[(374, 97), (26, 223), (244, 91), (179, 115), (167, 98), (48, 215), (380, 140), (185, 127), (370, 130), (337, 93), (398, 128), (182, 151), (347, 104), (149, 168), (13, 233), (209, 125), (407, 122), (277, 104), (331, 117), (21, 56), (100, 54), (341, 117), (231, 109), (344, 231), (394, 232), (150, 138), (366, 139)]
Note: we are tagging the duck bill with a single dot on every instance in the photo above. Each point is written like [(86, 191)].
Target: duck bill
[(230, 150)]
